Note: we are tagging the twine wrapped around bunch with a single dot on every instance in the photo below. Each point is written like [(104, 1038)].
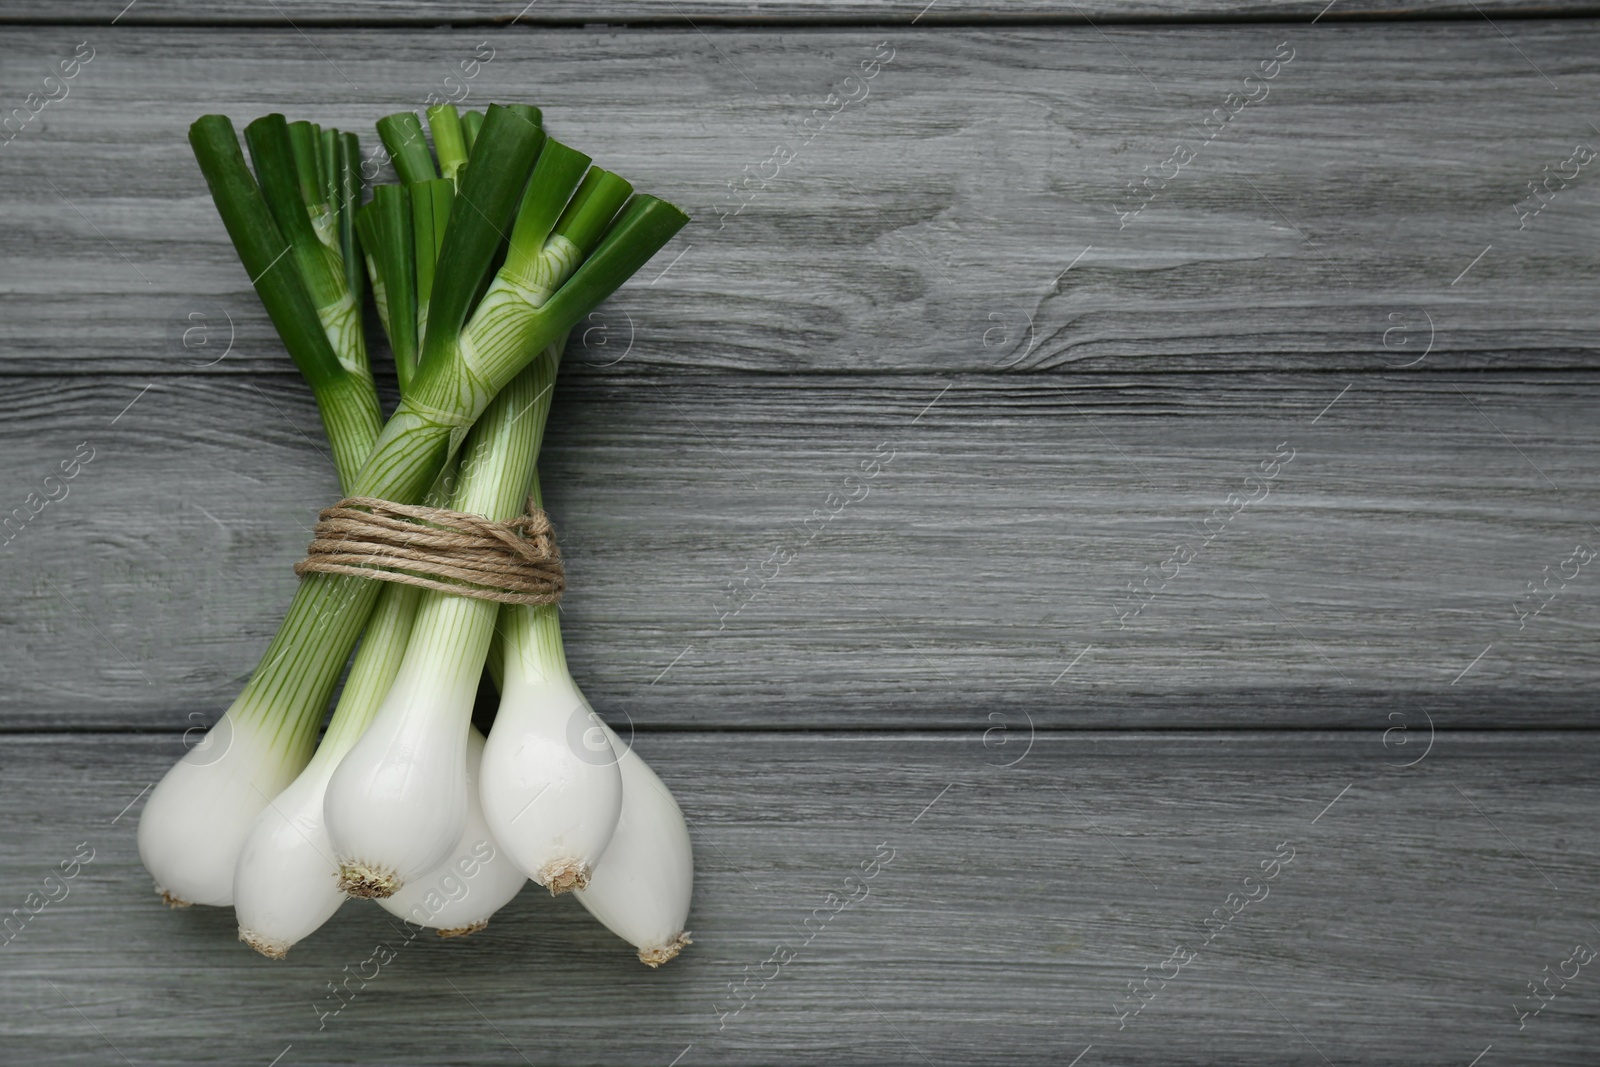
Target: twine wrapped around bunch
[(512, 562)]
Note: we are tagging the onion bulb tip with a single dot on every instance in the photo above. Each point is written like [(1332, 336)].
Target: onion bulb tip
[(273, 950), (562, 876), (367, 883), (655, 957), (171, 901), (463, 931)]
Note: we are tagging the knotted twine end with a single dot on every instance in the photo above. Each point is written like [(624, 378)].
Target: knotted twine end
[(512, 562)]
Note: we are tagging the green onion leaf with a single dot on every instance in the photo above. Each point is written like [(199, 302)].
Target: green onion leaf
[(449, 140), (346, 202), (349, 406), (386, 231), (471, 122), (502, 159), (403, 137), (593, 207), (555, 176)]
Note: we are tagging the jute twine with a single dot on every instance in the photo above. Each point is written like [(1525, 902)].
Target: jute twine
[(513, 562)]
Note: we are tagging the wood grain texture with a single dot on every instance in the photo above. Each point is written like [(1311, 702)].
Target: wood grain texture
[(1360, 214), (1017, 906), (935, 314), (756, 12), (981, 540)]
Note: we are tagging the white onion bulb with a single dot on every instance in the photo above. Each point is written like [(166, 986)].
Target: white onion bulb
[(286, 884), (641, 887), (198, 817), (478, 879), (397, 804), (552, 790)]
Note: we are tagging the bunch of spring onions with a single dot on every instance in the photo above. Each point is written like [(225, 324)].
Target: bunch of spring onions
[(492, 245)]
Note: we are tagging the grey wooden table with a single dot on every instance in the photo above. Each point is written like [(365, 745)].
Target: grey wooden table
[(1232, 518)]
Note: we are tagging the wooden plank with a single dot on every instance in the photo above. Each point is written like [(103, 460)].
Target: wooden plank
[(978, 551), (748, 12), (930, 225), (1017, 906)]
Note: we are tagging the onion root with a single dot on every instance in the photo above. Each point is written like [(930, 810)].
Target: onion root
[(273, 950), (563, 876), (367, 883), (463, 931), (655, 957)]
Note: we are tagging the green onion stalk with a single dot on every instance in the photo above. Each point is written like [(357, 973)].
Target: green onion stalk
[(292, 223), (311, 181), (573, 804), (303, 279), (386, 837), (551, 788), (396, 806), (285, 884), (197, 818)]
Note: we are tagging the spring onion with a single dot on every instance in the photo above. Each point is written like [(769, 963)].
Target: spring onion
[(199, 815), (552, 791), (475, 881), (397, 804), (197, 818), (496, 241), (286, 884), (389, 825), (286, 881)]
